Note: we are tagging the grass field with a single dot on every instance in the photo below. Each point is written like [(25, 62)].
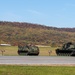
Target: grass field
[(12, 50), (36, 70)]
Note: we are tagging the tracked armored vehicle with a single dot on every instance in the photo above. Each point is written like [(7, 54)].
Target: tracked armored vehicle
[(24, 49), (68, 49)]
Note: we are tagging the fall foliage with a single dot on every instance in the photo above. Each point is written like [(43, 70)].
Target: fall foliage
[(14, 32)]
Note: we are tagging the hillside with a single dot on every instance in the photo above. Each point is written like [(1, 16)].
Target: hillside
[(14, 32)]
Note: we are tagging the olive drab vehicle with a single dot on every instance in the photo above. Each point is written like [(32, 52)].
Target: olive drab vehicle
[(68, 49), (24, 49)]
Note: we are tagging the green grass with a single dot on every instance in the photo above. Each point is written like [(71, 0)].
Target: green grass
[(12, 50), (36, 70)]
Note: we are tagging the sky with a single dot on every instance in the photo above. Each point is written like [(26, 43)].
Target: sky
[(53, 13)]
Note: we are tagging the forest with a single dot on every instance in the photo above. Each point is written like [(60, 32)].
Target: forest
[(16, 32)]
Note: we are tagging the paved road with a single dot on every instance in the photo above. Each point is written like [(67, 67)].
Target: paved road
[(37, 60)]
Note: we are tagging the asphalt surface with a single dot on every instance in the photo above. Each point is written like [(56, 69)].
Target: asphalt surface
[(37, 60)]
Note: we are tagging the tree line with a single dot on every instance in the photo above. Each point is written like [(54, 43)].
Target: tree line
[(15, 32)]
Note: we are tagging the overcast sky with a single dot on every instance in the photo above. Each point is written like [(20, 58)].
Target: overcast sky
[(55, 13)]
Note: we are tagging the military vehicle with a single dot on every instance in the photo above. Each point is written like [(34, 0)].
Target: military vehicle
[(24, 49), (68, 49)]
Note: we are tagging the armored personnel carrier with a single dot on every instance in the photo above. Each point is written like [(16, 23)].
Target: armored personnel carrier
[(24, 49), (68, 49)]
